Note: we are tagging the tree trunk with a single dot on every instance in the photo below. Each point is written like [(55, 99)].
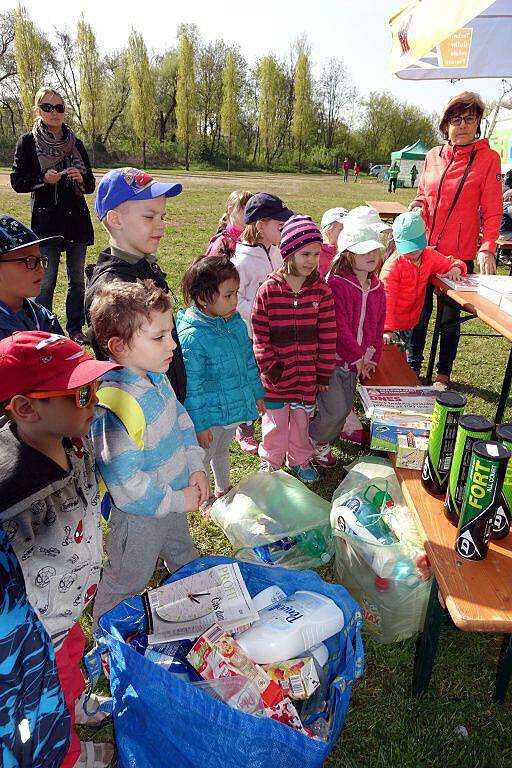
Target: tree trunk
[(93, 157), (161, 126), (144, 154), (186, 155)]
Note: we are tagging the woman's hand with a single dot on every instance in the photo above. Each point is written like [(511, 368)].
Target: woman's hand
[(75, 175), (52, 177), (204, 438), (416, 206), (486, 263)]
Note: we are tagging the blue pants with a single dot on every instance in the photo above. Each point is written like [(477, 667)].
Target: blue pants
[(75, 261)]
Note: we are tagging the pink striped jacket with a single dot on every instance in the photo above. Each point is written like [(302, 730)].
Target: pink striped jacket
[(294, 338)]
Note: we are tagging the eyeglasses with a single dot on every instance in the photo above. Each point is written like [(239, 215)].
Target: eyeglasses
[(51, 107), (31, 262), (84, 396), (468, 119)]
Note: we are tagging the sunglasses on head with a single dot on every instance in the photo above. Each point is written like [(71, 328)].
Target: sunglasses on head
[(45, 107), (31, 262), (84, 395)]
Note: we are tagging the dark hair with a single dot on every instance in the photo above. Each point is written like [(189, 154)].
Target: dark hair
[(204, 277), (467, 101)]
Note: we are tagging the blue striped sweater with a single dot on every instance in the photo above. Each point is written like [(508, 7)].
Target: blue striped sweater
[(147, 482)]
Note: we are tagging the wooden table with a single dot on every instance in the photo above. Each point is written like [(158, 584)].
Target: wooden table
[(473, 306), (504, 252), (477, 595), (387, 209)]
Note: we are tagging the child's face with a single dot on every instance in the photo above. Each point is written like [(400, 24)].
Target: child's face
[(366, 262), (236, 216), (306, 260), (152, 346), (331, 233), (225, 302), (270, 230), (137, 226), (16, 280), (60, 417)]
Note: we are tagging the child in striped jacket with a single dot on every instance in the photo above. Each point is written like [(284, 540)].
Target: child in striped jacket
[(294, 334)]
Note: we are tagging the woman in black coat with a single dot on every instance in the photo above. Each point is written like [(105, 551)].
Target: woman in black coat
[(52, 164)]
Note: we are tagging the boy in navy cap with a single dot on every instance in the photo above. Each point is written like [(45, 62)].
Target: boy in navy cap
[(21, 273), (131, 206)]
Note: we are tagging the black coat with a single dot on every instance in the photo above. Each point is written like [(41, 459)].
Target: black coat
[(56, 209), (111, 267)]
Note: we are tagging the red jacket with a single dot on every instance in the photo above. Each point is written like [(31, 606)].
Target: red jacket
[(480, 196), (294, 337), (327, 254), (405, 284), (359, 319)]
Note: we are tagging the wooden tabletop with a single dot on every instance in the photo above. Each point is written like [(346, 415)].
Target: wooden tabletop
[(387, 209), (477, 305), (478, 595)]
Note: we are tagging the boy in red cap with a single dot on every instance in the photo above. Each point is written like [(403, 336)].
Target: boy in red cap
[(49, 500)]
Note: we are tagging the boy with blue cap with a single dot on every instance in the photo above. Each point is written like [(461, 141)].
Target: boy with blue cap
[(131, 206), (405, 276)]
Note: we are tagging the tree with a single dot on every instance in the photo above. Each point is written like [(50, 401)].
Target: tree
[(333, 90), (272, 115), (92, 106), (165, 73), (230, 108), (302, 120), (186, 95), (117, 90), (28, 53), (211, 59), (142, 86)]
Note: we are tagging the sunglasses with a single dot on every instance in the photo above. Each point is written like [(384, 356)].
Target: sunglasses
[(84, 396), (31, 262), (468, 119), (45, 107)]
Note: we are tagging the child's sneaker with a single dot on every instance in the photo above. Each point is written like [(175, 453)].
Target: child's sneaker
[(323, 455), (306, 472), (245, 438), (266, 466), (359, 437), (442, 382)]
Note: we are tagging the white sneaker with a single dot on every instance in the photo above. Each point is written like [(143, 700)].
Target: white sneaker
[(266, 466)]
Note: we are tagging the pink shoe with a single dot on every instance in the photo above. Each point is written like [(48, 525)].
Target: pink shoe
[(359, 437), (322, 454), (247, 443)]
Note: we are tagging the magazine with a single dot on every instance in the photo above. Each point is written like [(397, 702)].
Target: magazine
[(466, 283), (418, 400), (184, 609)]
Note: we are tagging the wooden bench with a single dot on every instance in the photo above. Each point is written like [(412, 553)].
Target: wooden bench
[(477, 595)]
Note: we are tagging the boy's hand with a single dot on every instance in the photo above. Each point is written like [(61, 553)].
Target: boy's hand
[(454, 274), (388, 337), (204, 438), (191, 494), (260, 405), (198, 480)]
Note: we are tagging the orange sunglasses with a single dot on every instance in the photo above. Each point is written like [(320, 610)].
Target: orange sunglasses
[(84, 395)]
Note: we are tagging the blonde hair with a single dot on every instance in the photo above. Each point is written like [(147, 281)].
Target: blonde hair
[(237, 200), (251, 233), (289, 267), (344, 262), (39, 97)]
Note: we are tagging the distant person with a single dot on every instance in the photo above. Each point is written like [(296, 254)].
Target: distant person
[(52, 164), (507, 181), (459, 194), (356, 172), (414, 174), (393, 176), (506, 219), (330, 226), (231, 225), (346, 167)]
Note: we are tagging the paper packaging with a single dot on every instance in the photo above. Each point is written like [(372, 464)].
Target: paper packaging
[(284, 712), (411, 451), (215, 654), (298, 678)]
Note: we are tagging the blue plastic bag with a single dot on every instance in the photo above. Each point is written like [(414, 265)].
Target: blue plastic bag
[(162, 722)]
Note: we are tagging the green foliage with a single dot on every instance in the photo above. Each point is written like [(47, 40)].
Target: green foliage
[(28, 53), (186, 95), (92, 102), (272, 112), (302, 120), (142, 86), (230, 108)]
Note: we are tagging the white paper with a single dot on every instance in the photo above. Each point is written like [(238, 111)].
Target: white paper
[(419, 399)]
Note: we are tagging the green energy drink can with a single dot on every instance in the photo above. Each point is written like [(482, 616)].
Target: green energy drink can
[(471, 429), (441, 443), (501, 525), (482, 498)]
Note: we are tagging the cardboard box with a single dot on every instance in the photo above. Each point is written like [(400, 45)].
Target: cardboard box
[(411, 451), (387, 426)]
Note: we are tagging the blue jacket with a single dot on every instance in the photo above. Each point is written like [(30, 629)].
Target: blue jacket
[(223, 382), (33, 317)]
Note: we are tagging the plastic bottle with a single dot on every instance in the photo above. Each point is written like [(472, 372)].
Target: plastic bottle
[(288, 628), (361, 518), (313, 543)]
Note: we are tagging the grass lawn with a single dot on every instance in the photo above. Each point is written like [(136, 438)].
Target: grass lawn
[(385, 727)]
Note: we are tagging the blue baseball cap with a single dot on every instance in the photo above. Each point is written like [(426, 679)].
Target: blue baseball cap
[(266, 206), (122, 184), (409, 232), (14, 236)]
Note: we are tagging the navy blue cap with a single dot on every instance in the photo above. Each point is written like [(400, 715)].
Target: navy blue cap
[(266, 206), (14, 236), (122, 184)]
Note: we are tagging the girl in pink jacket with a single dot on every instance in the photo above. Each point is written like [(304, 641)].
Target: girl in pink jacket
[(360, 308), (231, 225)]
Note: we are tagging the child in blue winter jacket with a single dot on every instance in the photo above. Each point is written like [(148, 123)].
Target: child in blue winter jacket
[(223, 383)]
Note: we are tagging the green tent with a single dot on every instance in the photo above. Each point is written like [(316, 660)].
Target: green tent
[(414, 154)]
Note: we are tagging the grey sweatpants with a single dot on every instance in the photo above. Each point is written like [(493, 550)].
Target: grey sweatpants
[(333, 407), (217, 456), (133, 545)]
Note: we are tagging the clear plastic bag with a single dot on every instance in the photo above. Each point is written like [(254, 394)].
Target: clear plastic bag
[(379, 556), (273, 518)]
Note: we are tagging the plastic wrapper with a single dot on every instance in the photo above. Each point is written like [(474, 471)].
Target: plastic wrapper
[(274, 519), (379, 556)]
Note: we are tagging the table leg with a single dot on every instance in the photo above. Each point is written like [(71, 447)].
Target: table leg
[(504, 670), (505, 389), (435, 337), (426, 645)]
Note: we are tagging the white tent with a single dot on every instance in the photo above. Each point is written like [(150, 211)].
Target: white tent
[(501, 137)]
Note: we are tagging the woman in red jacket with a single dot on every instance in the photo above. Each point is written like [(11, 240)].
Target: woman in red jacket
[(459, 193)]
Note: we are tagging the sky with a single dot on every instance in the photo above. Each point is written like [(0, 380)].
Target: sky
[(356, 31)]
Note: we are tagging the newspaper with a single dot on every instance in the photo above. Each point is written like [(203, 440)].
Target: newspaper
[(466, 283), (418, 400), (226, 602)]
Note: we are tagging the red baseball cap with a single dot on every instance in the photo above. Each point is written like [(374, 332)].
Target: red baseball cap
[(38, 361)]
